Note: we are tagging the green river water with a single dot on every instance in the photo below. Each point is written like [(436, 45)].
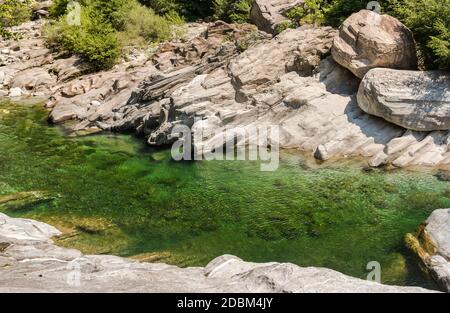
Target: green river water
[(117, 196)]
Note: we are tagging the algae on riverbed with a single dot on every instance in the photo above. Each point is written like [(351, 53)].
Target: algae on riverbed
[(120, 197)]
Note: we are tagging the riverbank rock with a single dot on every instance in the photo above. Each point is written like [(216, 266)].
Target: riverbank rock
[(411, 99), (432, 245), (368, 40), (30, 262), (123, 94), (268, 15), (287, 81)]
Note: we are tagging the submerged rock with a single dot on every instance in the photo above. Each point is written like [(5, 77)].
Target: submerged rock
[(31, 263), (432, 245), (411, 99), (22, 200), (367, 40)]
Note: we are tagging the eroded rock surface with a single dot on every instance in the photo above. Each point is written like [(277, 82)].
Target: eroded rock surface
[(223, 77), (411, 99), (30, 262), (268, 15), (432, 244), (368, 40)]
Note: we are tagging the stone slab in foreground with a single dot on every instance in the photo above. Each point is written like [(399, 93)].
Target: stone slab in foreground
[(30, 262)]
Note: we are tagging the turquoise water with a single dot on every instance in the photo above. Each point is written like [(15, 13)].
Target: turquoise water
[(117, 196)]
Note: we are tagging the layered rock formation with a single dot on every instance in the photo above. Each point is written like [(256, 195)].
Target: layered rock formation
[(268, 15), (368, 40), (411, 99), (432, 245), (30, 262), (222, 77)]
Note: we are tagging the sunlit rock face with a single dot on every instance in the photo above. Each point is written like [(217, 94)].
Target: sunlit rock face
[(368, 40), (411, 99), (432, 245)]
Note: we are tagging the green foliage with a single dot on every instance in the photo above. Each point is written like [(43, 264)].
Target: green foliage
[(142, 26), (58, 8), (13, 13), (191, 10), (94, 39), (430, 22), (164, 7), (234, 11), (107, 26)]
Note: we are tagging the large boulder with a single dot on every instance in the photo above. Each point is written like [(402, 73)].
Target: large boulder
[(411, 99), (432, 245), (367, 40), (269, 14)]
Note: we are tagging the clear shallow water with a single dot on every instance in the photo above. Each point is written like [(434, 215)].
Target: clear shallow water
[(126, 199)]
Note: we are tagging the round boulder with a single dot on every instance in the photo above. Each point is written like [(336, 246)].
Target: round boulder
[(367, 40)]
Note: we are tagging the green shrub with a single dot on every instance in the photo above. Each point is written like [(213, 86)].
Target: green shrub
[(234, 11), (430, 22), (107, 26), (13, 13), (164, 7), (94, 39), (191, 10), (142, 25), (58, 8), (311, 13)]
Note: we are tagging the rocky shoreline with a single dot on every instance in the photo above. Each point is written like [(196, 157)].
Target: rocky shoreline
[(30, 262), (224, 76), (334, 94)]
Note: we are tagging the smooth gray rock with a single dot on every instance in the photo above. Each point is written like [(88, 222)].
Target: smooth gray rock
[(411, 99), (432, 244), (24, 231), (29, 262)]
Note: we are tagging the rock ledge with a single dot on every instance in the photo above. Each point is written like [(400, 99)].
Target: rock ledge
[(30, 262)]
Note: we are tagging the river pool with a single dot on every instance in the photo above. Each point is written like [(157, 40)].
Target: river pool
[(115, 195)]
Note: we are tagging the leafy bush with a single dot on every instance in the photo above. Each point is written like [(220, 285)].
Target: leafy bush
[(234, 11), (142, 26), (94, 39), (164, 7), (106, 27), (13, 13), (191, 10), (430, 22), (311, 13), (58, 8)]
